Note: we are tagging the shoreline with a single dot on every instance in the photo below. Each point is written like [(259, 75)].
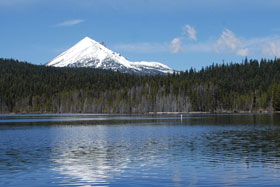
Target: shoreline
[(161, 113)]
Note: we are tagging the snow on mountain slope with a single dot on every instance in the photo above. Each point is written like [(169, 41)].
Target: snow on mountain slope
[(90, 53)]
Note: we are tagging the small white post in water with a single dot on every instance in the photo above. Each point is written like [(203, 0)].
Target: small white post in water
[(181, 117)]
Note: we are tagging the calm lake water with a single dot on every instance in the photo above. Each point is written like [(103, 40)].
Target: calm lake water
[(139, 150)]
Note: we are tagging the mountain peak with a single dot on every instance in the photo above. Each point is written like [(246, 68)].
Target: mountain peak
[(87, 38), (87, 42), (90, 53)]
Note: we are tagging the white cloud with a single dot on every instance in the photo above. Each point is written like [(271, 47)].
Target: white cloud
[(176, 45), (229, 43), (226, 43), (243, 52), (272, 49), (69, 23), (190, 31)]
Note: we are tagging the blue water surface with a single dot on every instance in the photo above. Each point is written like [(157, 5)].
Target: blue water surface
[(139, 150)]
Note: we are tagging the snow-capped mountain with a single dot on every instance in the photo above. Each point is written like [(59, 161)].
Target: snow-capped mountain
[(90, 53)]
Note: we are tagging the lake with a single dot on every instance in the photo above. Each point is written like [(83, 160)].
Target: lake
[(140, 150)]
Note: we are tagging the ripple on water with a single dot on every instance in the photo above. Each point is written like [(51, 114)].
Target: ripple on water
[(209, 151)]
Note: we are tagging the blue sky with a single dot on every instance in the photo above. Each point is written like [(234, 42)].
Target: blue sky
[(178, 33)]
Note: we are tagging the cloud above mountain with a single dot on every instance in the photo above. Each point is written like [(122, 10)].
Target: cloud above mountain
[(176, 45), (69, 23), (226, 43), (190, 32)]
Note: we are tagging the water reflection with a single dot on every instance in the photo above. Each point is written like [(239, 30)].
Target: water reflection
[(214, 150), (82, 155), (100, 154)]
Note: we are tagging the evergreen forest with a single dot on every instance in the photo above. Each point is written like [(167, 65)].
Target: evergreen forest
[(250, 86)]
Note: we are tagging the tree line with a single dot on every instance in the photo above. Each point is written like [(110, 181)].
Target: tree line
[(248, 86)]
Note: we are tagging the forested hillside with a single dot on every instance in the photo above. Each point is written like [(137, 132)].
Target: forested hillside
[(250, 86)]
